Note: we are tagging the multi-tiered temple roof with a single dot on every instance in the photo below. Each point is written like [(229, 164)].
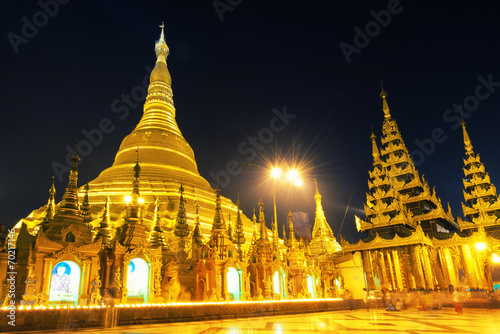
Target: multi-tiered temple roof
[(399, 199)]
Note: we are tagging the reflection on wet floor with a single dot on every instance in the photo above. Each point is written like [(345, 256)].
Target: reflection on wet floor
[(359, 321)]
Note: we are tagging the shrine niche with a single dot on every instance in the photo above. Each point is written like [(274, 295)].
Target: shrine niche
[(65, 283)]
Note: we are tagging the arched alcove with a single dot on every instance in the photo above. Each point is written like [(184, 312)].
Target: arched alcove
[(233, 283), (137, 281), (65, 283), (276, 282), (310, 286)]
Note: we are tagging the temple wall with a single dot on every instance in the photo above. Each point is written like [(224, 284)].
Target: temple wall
[(353, 275)]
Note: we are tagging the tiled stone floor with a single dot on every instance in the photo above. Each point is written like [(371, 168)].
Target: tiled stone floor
[(359, 321)]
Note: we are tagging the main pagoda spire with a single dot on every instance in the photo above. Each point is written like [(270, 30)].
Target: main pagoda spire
[(165, 151)]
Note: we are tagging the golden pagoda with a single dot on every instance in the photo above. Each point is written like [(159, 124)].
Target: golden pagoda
[(151, 229)]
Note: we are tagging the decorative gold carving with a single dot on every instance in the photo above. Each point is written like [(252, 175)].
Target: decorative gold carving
[(73, 230), (69, 250)]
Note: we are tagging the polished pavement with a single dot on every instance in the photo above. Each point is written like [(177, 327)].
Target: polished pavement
[(359, 321)]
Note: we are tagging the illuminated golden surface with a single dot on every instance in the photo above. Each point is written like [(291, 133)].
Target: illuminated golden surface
[(340, 322)]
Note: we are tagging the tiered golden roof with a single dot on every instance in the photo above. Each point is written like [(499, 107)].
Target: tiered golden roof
[(481, 206), (399, 198)]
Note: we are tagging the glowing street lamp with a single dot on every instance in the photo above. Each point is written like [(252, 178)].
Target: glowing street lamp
[(480, 246), (275, 172), (292, 176), (127, 199)]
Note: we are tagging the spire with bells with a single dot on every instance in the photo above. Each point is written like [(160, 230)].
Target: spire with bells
[(219, 223), (104, 228), (322, 235), (239, 235), (181, 226), (197, 236), (262, 221), (156, 238), (85, 207), (51, 207), (481, 200)]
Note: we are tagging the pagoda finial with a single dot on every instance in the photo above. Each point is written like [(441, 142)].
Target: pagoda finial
[(467, 142), (161, 47), (70, 197), (317, 194), (385, 106)]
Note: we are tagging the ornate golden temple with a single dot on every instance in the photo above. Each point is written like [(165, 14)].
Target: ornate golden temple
[(414, 243), (151, 229)]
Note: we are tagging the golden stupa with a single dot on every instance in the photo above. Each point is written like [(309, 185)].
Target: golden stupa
[(166, 161)]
